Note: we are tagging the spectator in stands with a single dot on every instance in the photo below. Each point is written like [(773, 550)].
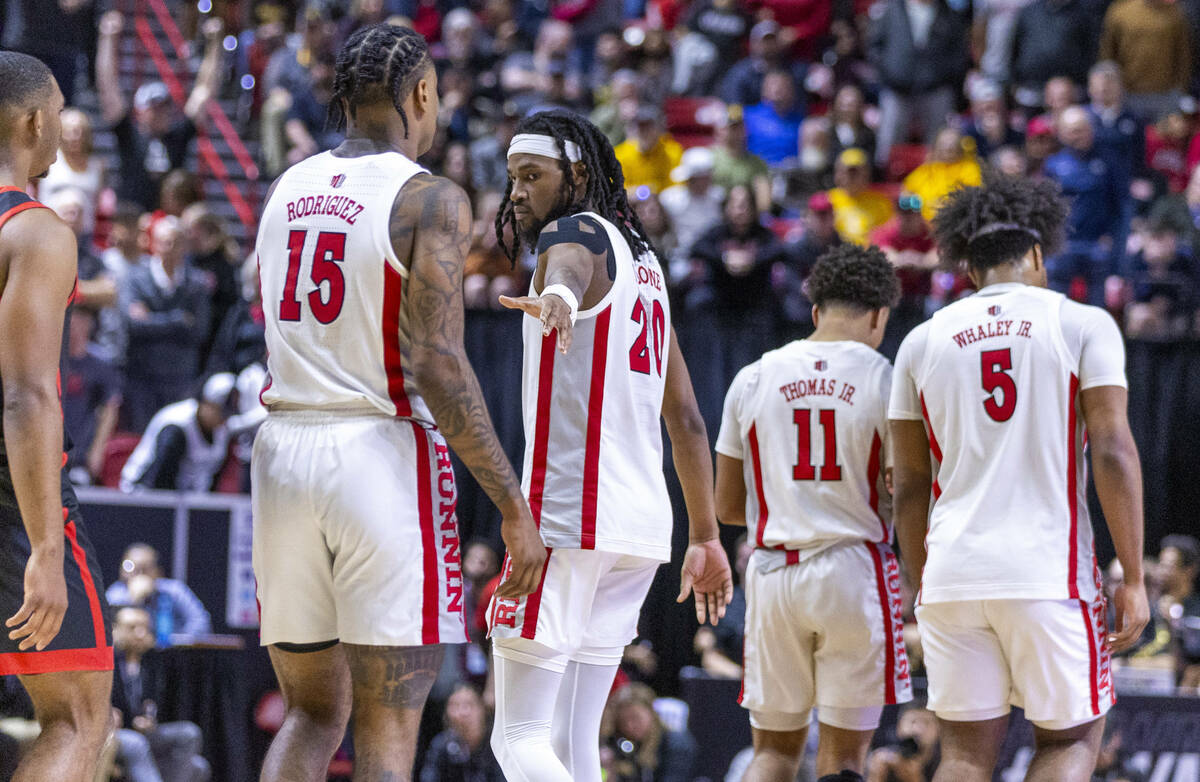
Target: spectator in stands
[(91, 398), (988, 126), (1149, 40), (908, 244), (796, 180), (1051, 38), (650, 153), (524, 74), (1164, 279), (167, 307), (636, 746), (733, 163), (1167, 142), (804, 25), (920, 49), (150, 751), (1178, 566), (461, 752), (661, 234), (1010, 161), (172, 605), (616, 104), (950, 164), (773, 126), (915, 755), (848, 125), (95, 287), (151, 140), (742, 85), (857, 210), (212, 252), (1040, 144), (77, 167), (287, 70), (1119, 132), (480, 565), (489, 272), (1059, 94), (305, 127), (818, 236), (57, 32), (186, 443), (720, 648), (489, 162), (694, 206), (723, 25), (993, 27), (1092, 184)]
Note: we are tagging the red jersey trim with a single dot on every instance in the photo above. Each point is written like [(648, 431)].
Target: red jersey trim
[(16, 210), (1073, 492), (873, 465), (934, 448), (541, 430), (591, 454), (393, 290), (429, 553), (755, 462)]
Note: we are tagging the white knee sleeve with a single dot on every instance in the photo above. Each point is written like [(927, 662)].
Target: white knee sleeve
[(577, 713), (525, 697)]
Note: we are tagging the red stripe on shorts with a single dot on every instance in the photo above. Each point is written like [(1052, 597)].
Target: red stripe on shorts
[(1093, 673), (591, 453), (756, 463), (429, 553), (534, 602), (885, 606), (89, 585)]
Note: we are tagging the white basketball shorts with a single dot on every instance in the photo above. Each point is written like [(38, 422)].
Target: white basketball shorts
[(826, 632), (585, 609), (1049, 657), (355, 532)]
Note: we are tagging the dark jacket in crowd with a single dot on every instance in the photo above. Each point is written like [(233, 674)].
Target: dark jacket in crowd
[(736, 295), (1054, 38), (1092, 185), (450, 760), (131, 692), (906, 68), (167, 344)]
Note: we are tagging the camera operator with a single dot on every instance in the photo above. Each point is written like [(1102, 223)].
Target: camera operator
[(915, 755)]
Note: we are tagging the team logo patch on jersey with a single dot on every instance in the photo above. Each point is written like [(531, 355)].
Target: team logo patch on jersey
[(994, 310), (821, 365), (337, 180)]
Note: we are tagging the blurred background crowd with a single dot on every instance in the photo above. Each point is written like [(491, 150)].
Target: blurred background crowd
[(753, 134)]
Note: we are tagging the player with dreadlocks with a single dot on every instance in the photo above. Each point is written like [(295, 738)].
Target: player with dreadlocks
[(355, 537), (602, 369), (1004, 390)]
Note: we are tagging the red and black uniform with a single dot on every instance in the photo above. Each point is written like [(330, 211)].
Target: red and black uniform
[(84, 642)]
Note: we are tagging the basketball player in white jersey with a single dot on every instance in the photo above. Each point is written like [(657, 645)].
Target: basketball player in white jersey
[(800, 461), (1004, 390), (356, 547), (602, 369)]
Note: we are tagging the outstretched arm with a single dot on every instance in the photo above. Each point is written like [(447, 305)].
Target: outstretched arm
[(432, 221), (41, 273), (113, 107), (705, 565), (208, 78)]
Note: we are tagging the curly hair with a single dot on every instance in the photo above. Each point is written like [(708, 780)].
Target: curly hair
[(999, 221), (605, 191), (379, 62), (859, 277)]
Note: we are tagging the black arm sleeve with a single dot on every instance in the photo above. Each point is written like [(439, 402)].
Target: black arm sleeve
[(169, 450), (582, 230)]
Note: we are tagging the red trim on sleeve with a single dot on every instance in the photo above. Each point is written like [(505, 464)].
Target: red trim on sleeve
[(885, 606), (393, 290), (752, 436), (1073, 492), (591, 454), (429, 599), (541, 429)]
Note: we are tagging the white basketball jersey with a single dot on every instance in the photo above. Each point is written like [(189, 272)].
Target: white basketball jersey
[(593, 468), (996, 379), (809, 423), (333, 289)]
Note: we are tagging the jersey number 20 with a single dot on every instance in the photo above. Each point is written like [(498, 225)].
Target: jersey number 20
[(329, 252), (995, 366), (640, 353)]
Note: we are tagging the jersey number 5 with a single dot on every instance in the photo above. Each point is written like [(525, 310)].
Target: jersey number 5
[(805, 470), (995, 366), (639, 354), (329, 252)]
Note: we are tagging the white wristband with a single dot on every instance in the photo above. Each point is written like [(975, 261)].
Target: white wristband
[(564, 293)]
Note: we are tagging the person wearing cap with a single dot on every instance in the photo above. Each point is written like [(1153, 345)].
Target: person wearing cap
[(743, 84), (856, 208), (733, 163), (908, 243), (694, 206), (167, 308), (920, 49), (773, 126), (650, 153), (186, 443), (951, 163), (151, 140), (1040, 144)]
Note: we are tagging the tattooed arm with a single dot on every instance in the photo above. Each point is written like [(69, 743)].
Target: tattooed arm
[(431, 223)]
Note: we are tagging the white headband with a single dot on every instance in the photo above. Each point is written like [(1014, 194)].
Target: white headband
[(546, 146)]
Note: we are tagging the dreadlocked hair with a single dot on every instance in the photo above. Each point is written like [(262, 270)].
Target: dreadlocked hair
[(853, 276), (972, 224), (377, 62), (605, 191)]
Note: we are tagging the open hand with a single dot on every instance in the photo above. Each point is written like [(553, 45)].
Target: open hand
[(526, 556), (38, 620), (1133, 612), (554, 313), (706, 572)]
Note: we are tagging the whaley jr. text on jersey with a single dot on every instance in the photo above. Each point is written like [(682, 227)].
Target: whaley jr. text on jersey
[(818, 387), (993, 328), (344, 208)]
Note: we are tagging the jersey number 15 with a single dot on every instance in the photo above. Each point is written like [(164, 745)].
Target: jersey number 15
[(328, 253)]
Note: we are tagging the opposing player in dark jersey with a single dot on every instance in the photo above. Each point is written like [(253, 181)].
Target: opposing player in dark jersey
[(56, 637)]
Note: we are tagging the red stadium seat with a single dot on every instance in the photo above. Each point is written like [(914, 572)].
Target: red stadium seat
[(692, 121), (903, 159), (116, 453)]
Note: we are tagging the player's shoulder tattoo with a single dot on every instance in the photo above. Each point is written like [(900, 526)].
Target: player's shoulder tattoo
[(430, 203)]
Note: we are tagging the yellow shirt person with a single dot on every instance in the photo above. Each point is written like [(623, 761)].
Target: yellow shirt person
[(662, 154), (857, 210)]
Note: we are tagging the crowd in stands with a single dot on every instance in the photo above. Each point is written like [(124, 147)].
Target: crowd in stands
[(753, 134)]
